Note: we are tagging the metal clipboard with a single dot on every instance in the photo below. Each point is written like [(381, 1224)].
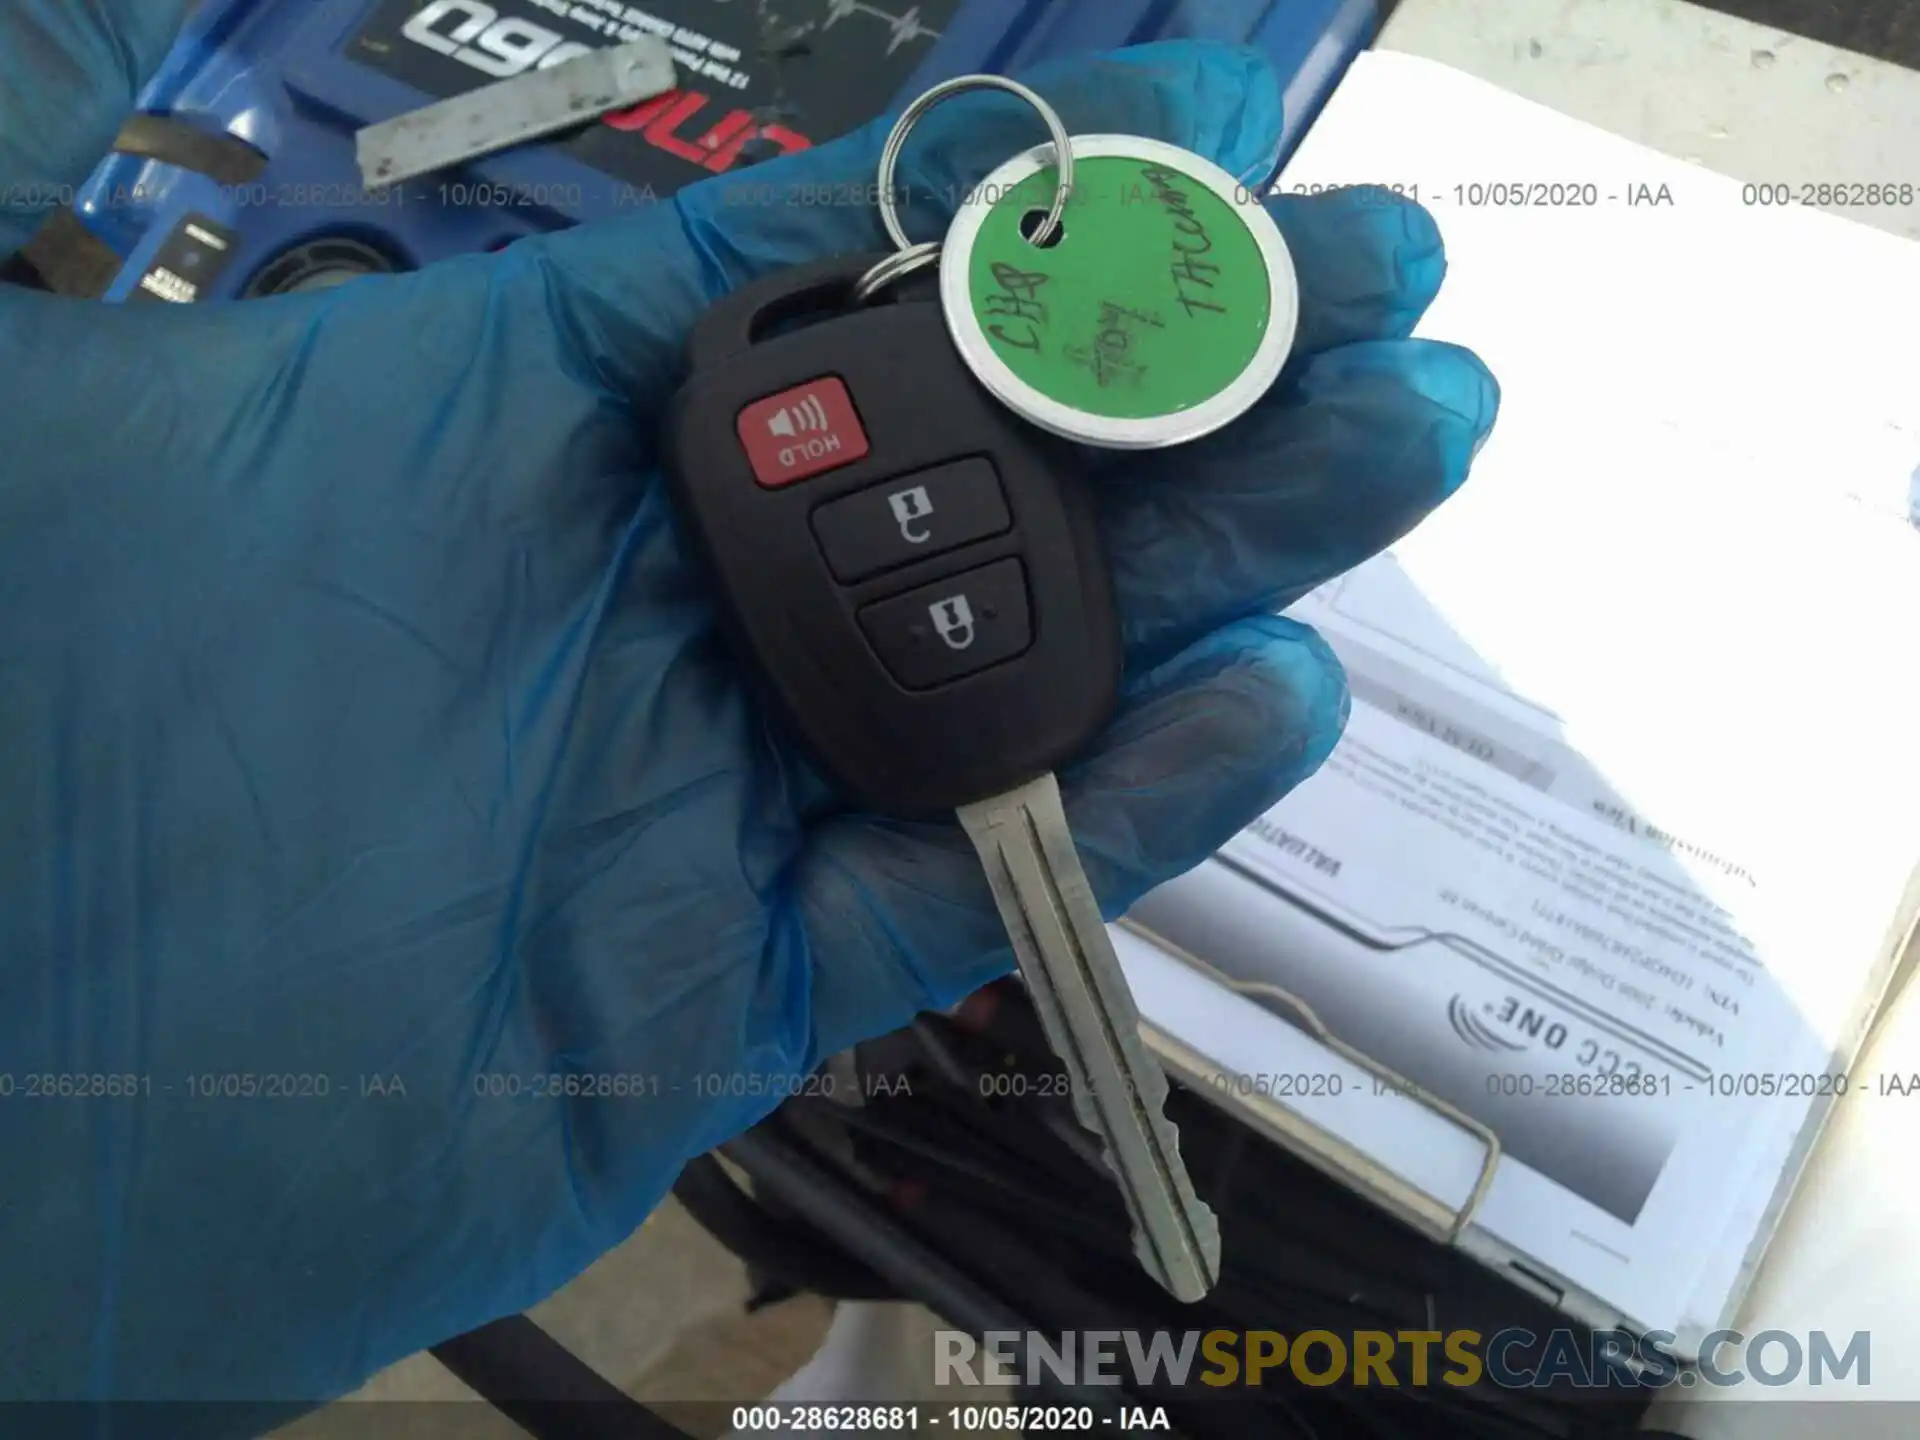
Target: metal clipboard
[(1333, 1156)]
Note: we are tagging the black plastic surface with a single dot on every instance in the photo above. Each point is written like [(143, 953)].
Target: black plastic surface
[(216, 154), (954, 627), (911, 517), (889, 746)]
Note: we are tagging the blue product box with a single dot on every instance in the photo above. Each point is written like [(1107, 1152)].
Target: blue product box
[(245, 181)]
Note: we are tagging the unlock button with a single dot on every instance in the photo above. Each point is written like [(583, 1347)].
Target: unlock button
[(952, 627), (911, 517)]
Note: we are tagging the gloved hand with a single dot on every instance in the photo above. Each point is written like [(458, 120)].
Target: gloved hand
[(364, 719)]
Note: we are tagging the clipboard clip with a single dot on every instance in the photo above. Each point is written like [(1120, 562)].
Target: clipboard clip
[(1326, 1151)]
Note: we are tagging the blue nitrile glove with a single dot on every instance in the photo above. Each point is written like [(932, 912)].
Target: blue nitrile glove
[(362, 717)]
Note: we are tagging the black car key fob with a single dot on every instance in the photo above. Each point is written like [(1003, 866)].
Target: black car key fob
[(913, 573)]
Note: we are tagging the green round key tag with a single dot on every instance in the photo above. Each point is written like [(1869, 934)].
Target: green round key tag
[(1162, 308)]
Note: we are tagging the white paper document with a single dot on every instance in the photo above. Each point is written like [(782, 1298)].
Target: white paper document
[(1614, 856)]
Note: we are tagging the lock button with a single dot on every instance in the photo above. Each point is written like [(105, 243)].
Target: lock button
[(911, 517), (952, 628)]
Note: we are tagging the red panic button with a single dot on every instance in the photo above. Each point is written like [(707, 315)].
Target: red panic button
[(800, 432)]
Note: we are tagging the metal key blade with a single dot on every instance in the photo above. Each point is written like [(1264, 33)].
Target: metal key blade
[(1088, 1013)]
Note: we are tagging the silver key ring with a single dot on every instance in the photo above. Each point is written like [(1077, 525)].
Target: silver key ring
[(896, 266), (897, 142)]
